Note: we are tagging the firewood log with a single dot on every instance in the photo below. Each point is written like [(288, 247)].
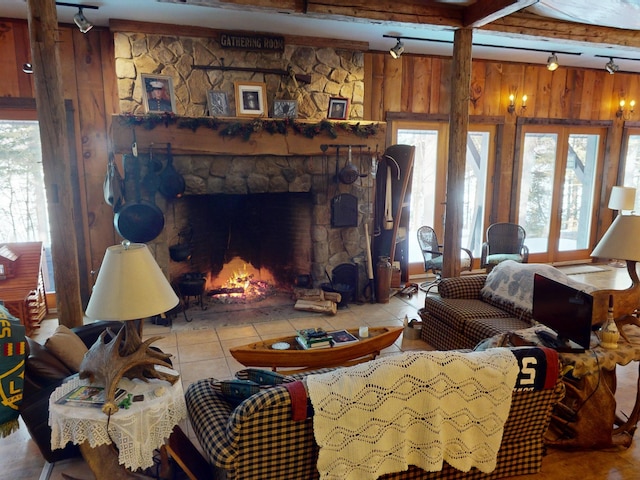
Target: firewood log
[(322, 306), (316, 294)]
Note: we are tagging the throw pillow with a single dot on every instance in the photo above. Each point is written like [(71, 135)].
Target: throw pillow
[(67, 346), (235, 391)]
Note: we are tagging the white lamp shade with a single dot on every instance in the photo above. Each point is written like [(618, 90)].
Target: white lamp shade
[(622, 198), (621, 240), (130, 286)]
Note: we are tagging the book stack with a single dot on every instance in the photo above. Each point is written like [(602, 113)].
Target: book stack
[(89, 396), (314, 338)]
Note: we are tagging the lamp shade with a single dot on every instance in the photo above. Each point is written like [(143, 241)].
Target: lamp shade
[(622, 198), (621, 240), (130, 286)]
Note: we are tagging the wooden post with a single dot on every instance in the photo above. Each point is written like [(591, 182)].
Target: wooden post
[(43, 34), (458, 128)]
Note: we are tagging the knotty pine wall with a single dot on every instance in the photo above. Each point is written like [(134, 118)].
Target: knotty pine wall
[(89, 84), (414, 86), (418, 87)]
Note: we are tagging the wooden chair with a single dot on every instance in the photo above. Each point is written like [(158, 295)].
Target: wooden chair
[(505, 241)]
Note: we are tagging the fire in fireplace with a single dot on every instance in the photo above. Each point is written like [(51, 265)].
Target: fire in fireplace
[(249, 246)]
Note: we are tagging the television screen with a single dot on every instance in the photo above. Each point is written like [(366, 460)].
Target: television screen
[(565, 310)]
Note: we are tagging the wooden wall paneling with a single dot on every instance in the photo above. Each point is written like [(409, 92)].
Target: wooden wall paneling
[(422, 85), (588, 90), (477, 89), (558, 92), (10, 85), (443, 102), (603, 98), (93, 154), (376, 87), (392, 84), (408, 83), (575, 85), (530, 88), (23, 54), (543, 102), (496, 92), (435, 87)]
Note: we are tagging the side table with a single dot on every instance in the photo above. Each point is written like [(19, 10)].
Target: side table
[(587, 416), (136, 432)]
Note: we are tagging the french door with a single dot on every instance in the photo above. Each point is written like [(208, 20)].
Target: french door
[(559, 174), (631, 162), (428, 189)]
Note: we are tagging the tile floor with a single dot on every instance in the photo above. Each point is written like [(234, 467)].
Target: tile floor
[(201, 345)]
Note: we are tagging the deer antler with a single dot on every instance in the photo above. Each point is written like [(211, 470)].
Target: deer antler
[(107, 362)]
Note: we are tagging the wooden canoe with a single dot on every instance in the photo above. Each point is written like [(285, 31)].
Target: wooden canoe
[(261, 354)]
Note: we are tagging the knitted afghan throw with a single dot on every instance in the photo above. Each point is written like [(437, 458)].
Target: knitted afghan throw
[(12, 352), (418, 408)]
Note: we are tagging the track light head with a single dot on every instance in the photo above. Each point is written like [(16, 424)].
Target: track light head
[(397, 50), (81, 21), (611, 67), (552, 62)]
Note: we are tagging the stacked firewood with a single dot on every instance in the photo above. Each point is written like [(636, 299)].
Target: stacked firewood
[(316, 300)]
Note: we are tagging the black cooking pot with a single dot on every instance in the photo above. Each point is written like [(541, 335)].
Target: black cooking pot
[(139, 221), (172, 184), (180, 252)]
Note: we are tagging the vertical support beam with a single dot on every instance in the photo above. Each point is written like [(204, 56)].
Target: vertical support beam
[(458, 128), (43, 34)]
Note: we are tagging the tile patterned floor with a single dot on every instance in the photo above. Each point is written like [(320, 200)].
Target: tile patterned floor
[(201, 349)]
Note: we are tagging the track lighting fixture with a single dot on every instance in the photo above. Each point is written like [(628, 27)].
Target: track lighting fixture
[(611, 67), (81, 21), (398, 49), (552, 62)]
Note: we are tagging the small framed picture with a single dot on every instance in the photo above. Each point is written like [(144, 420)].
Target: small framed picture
[(250, 99), (158, 93), (285, 109), (338, 108), (218, 103)]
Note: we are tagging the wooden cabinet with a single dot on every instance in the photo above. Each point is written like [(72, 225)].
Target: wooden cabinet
[(23, 293)]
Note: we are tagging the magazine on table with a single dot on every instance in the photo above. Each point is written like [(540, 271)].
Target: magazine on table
[(89, 396), (342, 337)]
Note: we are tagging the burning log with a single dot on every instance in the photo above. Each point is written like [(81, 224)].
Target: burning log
[(320, 306), (316, 295), (226, 290)]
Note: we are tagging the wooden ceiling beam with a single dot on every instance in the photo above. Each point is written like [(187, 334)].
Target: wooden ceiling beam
[(480, 13), (536, 27)]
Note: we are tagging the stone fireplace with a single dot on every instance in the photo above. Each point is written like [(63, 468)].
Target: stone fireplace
[(267, 204)]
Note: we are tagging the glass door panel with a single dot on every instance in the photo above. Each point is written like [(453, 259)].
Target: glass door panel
[(556, 199), (631, 177)]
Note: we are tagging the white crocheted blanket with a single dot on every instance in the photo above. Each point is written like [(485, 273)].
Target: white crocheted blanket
[(417, 408)]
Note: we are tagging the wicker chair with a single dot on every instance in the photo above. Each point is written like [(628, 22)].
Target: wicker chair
[(432, 255), (505, 241)]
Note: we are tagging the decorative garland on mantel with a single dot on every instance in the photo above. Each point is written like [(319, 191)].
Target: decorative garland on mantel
[(244, 129)]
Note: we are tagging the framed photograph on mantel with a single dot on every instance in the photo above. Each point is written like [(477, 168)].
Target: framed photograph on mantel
[(218, 104), (159, 95), (251, 99), (338, 108), (285, 109)]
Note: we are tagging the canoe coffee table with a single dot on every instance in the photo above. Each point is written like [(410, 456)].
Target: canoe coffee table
[(296, 359)]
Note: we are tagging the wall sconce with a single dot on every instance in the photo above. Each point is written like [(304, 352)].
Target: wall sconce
[(81, 21), (512, 103), (624, 113)]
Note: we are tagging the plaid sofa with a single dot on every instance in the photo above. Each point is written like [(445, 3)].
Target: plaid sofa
[(461, 318), (259, 440)]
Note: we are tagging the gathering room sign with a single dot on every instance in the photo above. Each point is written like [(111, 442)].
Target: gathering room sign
[(252, 42)]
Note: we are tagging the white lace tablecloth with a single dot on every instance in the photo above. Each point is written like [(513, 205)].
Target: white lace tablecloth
[(137, 431)]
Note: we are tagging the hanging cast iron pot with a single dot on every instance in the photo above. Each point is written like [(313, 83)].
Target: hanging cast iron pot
[(172, 184)]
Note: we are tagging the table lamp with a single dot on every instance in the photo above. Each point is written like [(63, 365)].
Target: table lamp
[(622, 198), (621, 241), (130, 287)]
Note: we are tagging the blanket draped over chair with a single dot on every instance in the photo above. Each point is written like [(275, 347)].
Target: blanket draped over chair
[(12, 353), (418, 408)]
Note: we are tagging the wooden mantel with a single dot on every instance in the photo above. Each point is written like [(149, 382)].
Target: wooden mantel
[(206, 141)]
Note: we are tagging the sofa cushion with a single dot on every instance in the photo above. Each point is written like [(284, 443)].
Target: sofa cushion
[(67, 346), (42, 367), (456, 312), (468, 286), (483, 328)]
